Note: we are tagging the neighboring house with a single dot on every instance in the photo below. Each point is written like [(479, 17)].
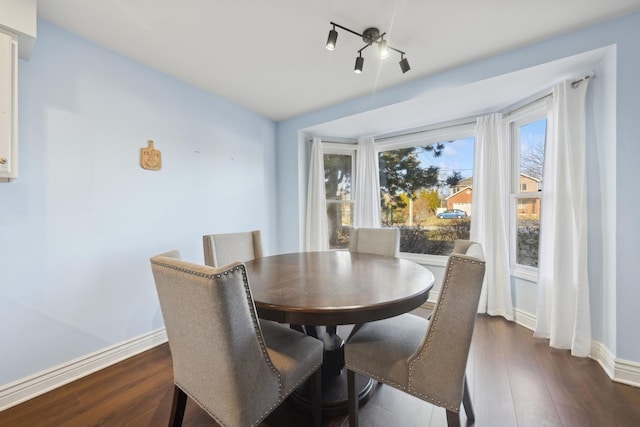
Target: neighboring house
[(464, 183), (529, 205), (461, 200), (529, 184), (461, 195)]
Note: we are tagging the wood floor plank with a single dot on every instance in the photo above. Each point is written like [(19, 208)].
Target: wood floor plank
[(564, 376), (515, 380), (532, 402), (489, 386)]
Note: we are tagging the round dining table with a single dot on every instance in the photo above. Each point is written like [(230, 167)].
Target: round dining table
[(309, 290)]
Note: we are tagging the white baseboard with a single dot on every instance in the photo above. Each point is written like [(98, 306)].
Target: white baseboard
[(619, 370), (29, 387), (627, 372), (601, 354), (525, 319)]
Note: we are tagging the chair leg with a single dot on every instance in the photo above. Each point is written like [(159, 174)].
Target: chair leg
[(177, 407), (466, 402), (312, 331), (353, 399), (453, 419), (315, 384)]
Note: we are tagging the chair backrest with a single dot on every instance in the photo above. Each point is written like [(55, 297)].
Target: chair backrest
[(222, 249), (219, 354), (437, 368), (468, 247), (380, 241)]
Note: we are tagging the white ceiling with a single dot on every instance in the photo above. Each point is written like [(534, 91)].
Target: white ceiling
[(269, 56)]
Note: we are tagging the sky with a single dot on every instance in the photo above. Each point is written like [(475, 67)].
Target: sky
[(533, 136), (458, 155)]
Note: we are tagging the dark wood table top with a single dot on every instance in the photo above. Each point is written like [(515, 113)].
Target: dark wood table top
[(336, 287)]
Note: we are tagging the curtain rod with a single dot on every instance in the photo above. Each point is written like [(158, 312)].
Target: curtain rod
[(334, 142), (576, 83), (418, 132), (528, 104)]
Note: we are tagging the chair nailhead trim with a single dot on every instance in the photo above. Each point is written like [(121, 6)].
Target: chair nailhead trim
[(434, 320), (254, 319)]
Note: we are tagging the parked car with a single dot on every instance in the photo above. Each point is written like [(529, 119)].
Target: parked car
[(452, 213)]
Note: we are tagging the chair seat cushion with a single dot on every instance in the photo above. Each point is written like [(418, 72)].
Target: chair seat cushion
[(295, 355), (381, 349)]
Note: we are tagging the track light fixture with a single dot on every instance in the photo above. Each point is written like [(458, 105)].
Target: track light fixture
[(369, 36)]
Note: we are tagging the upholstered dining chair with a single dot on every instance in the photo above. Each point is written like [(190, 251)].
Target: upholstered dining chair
[(221, 249), (380, 241), (425, 358), (234, 366)]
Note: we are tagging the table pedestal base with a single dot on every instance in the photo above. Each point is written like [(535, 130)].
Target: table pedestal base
[(335, 400)]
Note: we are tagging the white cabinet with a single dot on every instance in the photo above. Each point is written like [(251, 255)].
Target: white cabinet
[(8, 107)]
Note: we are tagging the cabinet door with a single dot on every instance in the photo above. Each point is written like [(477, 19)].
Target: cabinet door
[(8, 107)]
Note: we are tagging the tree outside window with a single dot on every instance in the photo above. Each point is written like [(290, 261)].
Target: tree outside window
[(417, 184)]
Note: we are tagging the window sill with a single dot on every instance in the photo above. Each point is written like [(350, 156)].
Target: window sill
[(434, 260), (529, 274)]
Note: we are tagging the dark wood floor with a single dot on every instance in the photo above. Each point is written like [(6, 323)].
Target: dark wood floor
[(515, 380)]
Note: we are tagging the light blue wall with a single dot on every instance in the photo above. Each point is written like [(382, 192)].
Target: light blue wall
[(628, 155), (80, 223), (616, 315)]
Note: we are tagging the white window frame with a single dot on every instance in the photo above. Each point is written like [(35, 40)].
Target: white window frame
[(427, 137), (346, 149), (531, 113), (421, 137)]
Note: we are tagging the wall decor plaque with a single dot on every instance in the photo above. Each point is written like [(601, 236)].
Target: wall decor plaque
[(150, 158)]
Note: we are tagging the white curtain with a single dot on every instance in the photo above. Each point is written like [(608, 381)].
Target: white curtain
[(563, 285), (317, 230), (489, 213), (367, 185)]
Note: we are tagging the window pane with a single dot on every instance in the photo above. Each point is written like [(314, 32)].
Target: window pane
[(426, 191), (337, 180), (532, 139), (532, 142), (340, 219), (528, 231)]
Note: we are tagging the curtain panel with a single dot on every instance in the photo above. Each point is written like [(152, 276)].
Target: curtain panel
[(489, 213), (317, 230), (367, 185), (563, 284)]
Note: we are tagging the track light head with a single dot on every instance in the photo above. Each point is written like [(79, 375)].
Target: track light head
[(404, 65), (382, 47), (359, 65), (331, 40)]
